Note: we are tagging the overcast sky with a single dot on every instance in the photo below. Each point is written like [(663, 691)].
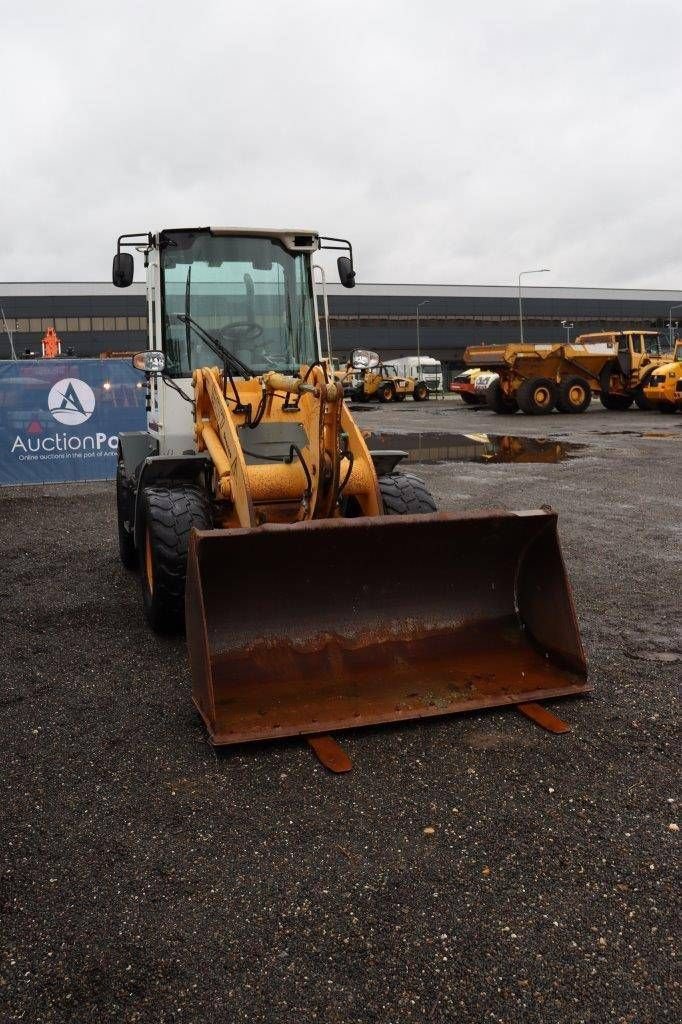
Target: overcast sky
[(453, 143)]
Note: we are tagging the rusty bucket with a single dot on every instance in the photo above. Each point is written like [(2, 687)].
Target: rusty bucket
[(332, 624)]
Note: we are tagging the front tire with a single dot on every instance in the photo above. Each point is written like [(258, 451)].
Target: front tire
[(498, 401), (668, 408), (642, 402), (421, 392), (403, 494), (615, 403), (386, 393), (169, 514)]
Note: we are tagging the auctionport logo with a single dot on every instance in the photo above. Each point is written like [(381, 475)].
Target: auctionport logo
[(71, 401)]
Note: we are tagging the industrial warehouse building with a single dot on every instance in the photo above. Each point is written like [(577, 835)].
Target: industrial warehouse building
[(94, 318)]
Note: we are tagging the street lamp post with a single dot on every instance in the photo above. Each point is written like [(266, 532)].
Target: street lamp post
[(670, 325), (419, 350), (542, 270), (568, 327)]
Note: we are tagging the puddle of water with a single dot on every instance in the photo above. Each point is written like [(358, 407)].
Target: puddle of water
[(448, 447)]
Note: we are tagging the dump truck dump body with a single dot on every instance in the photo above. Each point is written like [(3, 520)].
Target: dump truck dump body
[(287, 637)]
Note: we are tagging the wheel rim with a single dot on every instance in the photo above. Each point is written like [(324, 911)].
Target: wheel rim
[(148, 564), (576, 394), (542, 396)]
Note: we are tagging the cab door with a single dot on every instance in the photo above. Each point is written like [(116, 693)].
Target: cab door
[(629, 353)]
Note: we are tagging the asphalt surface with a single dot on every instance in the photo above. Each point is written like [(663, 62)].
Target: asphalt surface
[(473, 868)]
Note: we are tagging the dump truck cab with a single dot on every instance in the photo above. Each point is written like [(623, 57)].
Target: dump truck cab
[(664, 387)]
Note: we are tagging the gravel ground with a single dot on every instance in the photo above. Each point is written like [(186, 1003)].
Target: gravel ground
[(473, 868)]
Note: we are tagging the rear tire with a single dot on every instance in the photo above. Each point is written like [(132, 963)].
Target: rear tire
[(169, 514), (537, 396), (421, 392), (124, 514), (574, 395), (403, 494), (642, 402), (498, 401), (386, 393), (615, 403)]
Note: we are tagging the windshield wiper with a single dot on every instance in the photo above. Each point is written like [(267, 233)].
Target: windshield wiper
[(216, 346)]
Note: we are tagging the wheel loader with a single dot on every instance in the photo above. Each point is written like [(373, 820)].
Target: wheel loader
[(663, 389), (260, 521)]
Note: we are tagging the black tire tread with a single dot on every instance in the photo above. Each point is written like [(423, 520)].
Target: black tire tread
[(525, 396), (562, 402), (405, 494), (170, 513), (497, 400)]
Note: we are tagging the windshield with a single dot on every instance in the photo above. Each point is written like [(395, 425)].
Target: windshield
[(251, 294)]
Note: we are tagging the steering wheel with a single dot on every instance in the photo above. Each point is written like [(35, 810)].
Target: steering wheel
[(242, 331)]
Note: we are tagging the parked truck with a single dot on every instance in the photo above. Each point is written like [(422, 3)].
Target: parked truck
[(421, 368), (615, 365)]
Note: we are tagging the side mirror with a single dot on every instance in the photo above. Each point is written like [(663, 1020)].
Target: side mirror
[(150, 362), (364, 360), (346, 272), (122, 270)]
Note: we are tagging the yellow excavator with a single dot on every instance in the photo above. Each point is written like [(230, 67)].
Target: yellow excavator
[(319, 587)]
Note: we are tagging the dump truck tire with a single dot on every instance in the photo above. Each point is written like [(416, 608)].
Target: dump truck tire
[(615, 403), (469, 399), (537, 396), (386, 393), (420, 393), (169, 514), (404, 494), (124, 508), (574, 395), (498, 401)]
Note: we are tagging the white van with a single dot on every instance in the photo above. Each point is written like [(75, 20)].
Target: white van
[(420, 368)]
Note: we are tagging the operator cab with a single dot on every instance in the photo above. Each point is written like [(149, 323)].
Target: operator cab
[(253, 295)]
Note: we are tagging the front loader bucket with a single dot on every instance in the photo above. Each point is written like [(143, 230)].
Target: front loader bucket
[(333, 624)]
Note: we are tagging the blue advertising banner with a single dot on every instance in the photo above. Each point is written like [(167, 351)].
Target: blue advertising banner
[(60, 418)]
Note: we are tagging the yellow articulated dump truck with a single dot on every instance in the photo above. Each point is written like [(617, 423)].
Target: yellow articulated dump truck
[(251, 499), (663, 389), (615, 365)]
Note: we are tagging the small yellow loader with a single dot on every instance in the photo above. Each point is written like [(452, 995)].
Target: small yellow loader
[(663, 389), (260, 520), (382, 381)]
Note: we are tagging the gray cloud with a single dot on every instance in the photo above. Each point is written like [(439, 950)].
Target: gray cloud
[(452, 143)]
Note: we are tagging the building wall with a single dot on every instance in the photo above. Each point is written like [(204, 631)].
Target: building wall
[(93, 317)]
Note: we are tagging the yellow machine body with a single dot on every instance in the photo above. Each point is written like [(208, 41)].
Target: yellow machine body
[(664, 387)]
